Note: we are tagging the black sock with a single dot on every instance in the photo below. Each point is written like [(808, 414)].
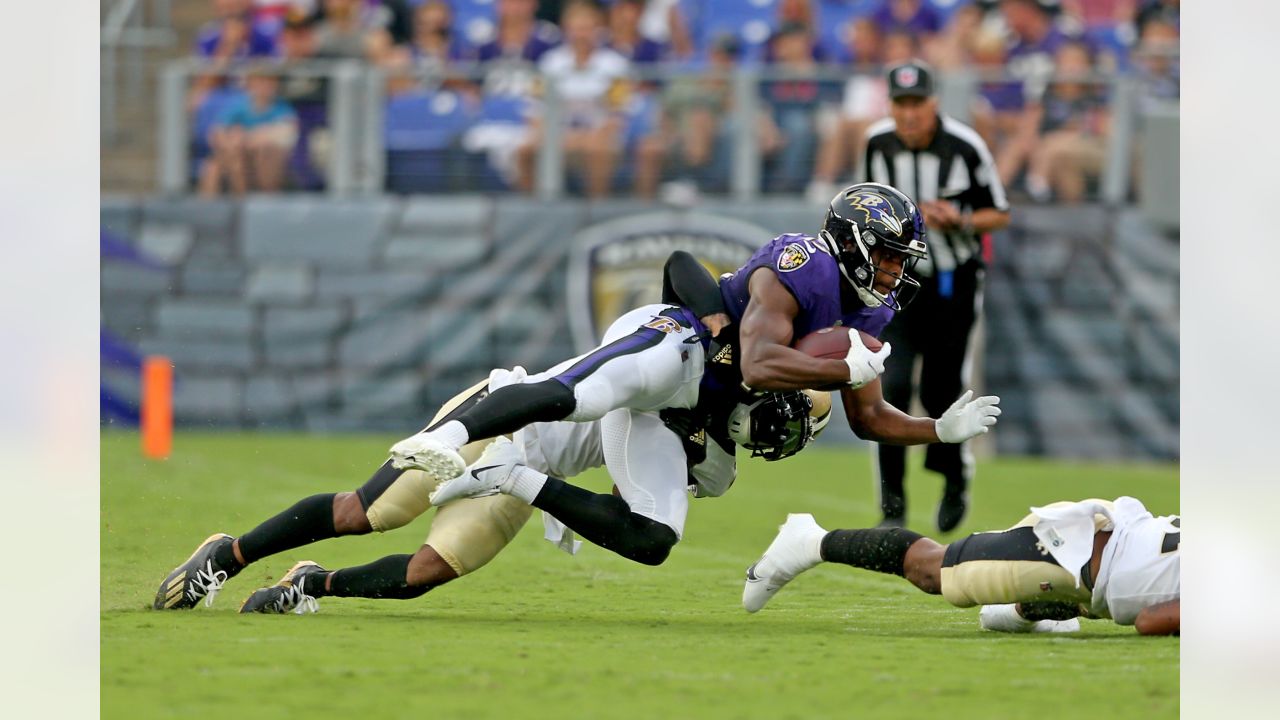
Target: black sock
[(309, 520), (881, 549), (607, 521), (383, 579)]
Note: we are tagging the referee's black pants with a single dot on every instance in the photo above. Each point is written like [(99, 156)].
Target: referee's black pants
[(937, 329)]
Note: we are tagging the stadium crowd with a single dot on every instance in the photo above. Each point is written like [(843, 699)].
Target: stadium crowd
[(647, 99)]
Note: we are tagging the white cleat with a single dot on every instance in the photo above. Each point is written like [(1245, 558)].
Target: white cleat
[(1005, 618), (426, 453), (489, 475), (797, 548)]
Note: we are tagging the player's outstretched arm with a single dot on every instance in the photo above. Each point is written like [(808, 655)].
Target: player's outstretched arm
[(1160, 619), (768, 360), (872, 418)]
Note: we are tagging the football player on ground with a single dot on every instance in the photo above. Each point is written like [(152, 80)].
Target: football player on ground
[(855, 273), (1093, 559), (467, 534)]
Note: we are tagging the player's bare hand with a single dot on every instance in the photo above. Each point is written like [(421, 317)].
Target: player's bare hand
[(716, 322), (967, 418)]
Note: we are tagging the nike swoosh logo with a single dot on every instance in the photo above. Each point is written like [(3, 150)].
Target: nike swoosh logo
[(751, 573), (476, 472)]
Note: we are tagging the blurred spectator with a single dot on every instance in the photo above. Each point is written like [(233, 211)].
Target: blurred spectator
[(349, 29), (275, 12), (952, 50), (591, 83), (1107, 26), (797, 12), (251, 140), (1100, 13), (297, 47), (1158, 67), (308, 94), (1168, 10), (795, 102), (233, 35), (997, 108), (519, 35), (1070, 126), (866, 100), (434, 41), (699, 119), (625, 37), (663, 22), (1034, 41), (917, 17)]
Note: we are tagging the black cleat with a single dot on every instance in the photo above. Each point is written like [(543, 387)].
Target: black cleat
[(893, 521), (951, 510), (199, 577), (288, 595)]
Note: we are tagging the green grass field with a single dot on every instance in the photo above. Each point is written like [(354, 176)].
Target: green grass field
[(540, 634)]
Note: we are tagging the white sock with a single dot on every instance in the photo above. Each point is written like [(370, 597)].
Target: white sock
[(452, 433), (1004, 618), (524, 483)]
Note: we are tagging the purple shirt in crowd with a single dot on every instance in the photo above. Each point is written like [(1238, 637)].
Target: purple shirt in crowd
[(925, 21), (544, 37), (261, 43), (812, 276)]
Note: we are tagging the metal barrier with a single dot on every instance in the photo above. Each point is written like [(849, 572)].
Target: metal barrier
[(124, 29), (358, 100)]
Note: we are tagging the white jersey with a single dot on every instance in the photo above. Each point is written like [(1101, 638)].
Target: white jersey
[(648, 361), (1141, 564)]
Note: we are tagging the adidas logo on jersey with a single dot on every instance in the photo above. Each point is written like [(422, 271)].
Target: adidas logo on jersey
[(724, 356)]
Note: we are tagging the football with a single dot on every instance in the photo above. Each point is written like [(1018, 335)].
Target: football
[(833, 342)]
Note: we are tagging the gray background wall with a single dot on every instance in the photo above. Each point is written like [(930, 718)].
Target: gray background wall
[(333, 315)]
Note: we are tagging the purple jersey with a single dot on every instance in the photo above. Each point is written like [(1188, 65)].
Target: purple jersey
[(809, 272)]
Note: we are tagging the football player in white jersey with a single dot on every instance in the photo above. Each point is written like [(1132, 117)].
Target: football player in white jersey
[(1093, 559), (665, 460)]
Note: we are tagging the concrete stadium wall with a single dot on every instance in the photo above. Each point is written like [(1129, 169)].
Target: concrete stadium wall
[(323, 315)]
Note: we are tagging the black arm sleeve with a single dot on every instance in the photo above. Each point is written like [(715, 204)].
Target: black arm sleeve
[(687, 283)]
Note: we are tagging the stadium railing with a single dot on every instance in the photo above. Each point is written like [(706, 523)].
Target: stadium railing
[(357, 103), (127, 27)]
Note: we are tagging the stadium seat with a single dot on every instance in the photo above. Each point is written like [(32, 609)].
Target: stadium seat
[(473, 21), (751, 21), (422, 132)]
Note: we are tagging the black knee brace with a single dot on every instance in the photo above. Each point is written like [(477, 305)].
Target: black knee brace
[(607, 521)]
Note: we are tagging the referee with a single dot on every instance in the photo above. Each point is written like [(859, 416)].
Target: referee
[(946, 168)]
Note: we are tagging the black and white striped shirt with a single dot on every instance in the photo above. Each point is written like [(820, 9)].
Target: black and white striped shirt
[(956, 166)]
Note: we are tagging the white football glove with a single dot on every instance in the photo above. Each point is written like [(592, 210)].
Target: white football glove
[(864, 365), (967, 418)]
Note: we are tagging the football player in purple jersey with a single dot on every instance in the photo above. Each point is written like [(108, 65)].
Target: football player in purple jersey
[(856, 274)]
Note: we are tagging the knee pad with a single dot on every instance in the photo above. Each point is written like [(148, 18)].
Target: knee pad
[(656, 545)]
